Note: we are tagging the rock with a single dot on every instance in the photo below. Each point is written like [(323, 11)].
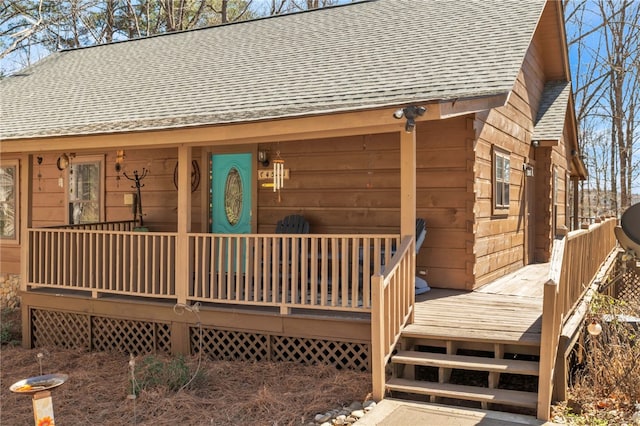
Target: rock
[(326, 424), (351, 420), (358, 414), (369, 404), (322, 418), (355, 405), (340, 420)]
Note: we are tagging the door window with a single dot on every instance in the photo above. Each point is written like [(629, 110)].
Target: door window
[(85, 188)]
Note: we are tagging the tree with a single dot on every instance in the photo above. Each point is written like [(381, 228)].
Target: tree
[(605, 47), (44, 26)]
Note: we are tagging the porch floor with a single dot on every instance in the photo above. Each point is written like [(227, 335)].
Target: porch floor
[(508, 310)]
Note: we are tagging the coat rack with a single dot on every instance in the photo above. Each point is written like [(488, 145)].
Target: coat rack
[(137, 205)]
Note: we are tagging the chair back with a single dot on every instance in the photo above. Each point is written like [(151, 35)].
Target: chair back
[(293, 224)]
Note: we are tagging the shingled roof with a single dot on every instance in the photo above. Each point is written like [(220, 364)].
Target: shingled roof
[(353, 57), (549, 124)]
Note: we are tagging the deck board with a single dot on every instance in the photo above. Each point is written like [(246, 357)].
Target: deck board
[(508, 310)]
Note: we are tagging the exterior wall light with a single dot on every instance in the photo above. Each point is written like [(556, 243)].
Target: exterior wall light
[(528, 170), (119, 160), (535, 144), (263, 157)]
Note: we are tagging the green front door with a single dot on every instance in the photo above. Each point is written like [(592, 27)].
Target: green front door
[(231, 193)]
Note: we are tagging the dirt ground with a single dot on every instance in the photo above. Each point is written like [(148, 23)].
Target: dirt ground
[(221, 393)]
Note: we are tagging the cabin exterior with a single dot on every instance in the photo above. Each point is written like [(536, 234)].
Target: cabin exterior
[(485, 150)]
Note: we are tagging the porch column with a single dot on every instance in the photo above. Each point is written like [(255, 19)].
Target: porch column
[(408, 183), (25, 188), (184, 223), (408, 201)]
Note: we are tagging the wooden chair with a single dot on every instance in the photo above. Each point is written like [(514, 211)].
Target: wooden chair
[(421, 285), (293, 224)]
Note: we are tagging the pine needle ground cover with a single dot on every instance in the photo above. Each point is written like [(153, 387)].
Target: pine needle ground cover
[(174, 390)]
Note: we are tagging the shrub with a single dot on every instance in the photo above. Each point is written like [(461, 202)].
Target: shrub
[(611, 371), (10, 332), (171, 373)]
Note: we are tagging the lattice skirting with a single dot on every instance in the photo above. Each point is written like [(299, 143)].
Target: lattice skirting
[(628, 287), (232, 345), (72, 330), (84, 331)]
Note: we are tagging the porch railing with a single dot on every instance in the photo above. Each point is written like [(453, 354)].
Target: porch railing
[(115, 262), (331, 272), (584, 252), (288, 271), (121, 225), (393, 303), (575, 261)]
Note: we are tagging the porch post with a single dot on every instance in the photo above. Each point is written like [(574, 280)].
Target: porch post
[(25, 185), (184, 223), (408, 201)]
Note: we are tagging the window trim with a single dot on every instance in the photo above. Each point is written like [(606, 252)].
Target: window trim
[(86, 159), (500, 209), (15, 240)]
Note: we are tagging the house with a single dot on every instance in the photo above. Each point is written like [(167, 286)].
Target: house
[(143, 176)]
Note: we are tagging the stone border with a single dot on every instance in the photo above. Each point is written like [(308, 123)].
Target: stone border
[(9, 291)]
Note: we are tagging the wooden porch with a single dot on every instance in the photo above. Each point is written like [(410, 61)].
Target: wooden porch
[(506, 311), (308, 298)]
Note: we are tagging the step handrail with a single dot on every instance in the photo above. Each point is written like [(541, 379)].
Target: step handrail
[(392, 302)]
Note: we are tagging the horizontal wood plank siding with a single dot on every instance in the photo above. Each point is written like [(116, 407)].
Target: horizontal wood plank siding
[(500, 240), (159, 195)]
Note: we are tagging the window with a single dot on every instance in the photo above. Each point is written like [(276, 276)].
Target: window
[(85, 189), (501, 176), (9, 201)]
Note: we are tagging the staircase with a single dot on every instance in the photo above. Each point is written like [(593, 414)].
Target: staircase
[(465, 369)]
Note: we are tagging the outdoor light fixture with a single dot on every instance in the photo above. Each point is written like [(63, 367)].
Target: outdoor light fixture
[(119, 160), (263, 157), (410, 112), (528, 169), (535, 144)]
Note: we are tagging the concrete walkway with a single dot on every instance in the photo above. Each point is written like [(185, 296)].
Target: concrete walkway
[(394, 412)]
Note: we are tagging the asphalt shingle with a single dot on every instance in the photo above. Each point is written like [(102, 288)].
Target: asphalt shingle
[(550, 120), (352, 57)]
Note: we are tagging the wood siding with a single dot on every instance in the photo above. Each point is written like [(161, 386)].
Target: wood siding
[(159, 195), (500, 240), (352, 184), (340, 185)]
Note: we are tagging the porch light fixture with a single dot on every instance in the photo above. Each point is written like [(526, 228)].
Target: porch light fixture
[(528, 170), (410, 112), (118, 165), (535, 143), (263, 157), (119, 160)]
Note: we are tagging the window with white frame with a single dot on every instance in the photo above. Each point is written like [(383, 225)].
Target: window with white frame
[(501, 177), (85, 190), (9, 201)]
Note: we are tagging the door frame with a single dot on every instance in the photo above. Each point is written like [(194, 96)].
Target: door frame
[(530, 217)]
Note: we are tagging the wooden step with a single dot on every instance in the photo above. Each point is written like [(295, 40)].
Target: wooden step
[(463, 362), (468, 393)]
